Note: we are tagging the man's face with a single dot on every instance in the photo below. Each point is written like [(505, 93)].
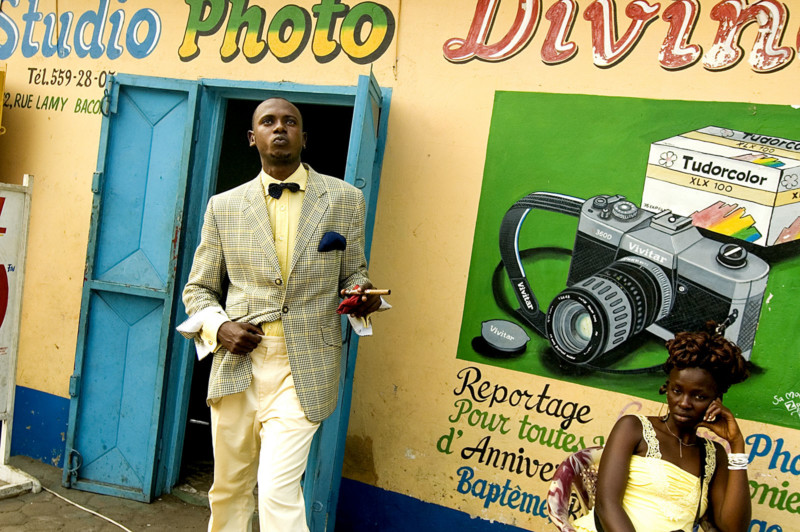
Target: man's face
[(277, 132)]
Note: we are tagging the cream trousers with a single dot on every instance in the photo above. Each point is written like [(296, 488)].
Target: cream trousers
[(263, 435)]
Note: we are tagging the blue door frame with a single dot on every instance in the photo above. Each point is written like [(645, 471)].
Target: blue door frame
[(200, 134)]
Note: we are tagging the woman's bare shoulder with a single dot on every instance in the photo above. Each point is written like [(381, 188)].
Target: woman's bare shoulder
[(627, 428), (629, 422), (627, 436)]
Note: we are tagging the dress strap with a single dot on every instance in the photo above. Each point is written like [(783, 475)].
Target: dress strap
[(711, 463), (649, 434)]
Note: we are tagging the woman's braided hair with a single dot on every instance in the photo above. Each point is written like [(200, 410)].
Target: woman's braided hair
[(708, 350)]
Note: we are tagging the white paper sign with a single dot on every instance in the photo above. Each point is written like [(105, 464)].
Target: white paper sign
[(13, 229)]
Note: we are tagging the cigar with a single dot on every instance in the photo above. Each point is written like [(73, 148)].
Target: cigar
[(367, 292)]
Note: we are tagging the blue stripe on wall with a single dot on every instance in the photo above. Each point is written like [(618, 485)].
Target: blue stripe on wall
[(40, 425), (365, 508)]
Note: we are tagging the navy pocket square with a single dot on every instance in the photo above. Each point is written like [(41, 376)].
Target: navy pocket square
[(330, 241)]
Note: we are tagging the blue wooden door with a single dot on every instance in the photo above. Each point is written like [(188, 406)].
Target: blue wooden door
[(117, 386), (364, 160)]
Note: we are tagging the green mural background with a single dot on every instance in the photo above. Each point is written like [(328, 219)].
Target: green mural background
[(587, 145)]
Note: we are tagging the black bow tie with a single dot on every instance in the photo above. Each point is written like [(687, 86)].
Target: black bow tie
[(276, 189)]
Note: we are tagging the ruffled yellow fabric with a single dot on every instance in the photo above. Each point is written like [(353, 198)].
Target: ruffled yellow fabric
[(659, 496)]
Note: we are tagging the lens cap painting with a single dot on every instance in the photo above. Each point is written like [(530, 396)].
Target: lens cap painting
[(504, 336)]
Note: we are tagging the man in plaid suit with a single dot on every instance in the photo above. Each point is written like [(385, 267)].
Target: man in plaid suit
[(262, 295)]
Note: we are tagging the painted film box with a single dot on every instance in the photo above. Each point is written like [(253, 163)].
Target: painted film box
[(739, 184)]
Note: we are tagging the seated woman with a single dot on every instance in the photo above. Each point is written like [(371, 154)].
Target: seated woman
[(656, 474)]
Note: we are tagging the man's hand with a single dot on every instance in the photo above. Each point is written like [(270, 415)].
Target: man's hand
[(368, 304), (239, 338)]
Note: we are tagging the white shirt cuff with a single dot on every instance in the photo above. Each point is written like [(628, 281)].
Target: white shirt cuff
[(202, 327), (363, 326)]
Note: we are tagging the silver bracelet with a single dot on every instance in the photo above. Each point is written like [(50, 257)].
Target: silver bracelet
[(738, 461)]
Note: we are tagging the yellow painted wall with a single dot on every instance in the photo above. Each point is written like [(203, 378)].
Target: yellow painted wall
[(430, 188)]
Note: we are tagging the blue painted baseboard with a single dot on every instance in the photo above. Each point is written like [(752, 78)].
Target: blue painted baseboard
[(40, 425), (365, 508)]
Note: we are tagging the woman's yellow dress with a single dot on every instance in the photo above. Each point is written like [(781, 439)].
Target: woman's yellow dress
[(660, 496)]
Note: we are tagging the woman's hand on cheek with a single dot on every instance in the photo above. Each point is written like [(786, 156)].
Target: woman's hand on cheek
[(713, 411), (720, 420)]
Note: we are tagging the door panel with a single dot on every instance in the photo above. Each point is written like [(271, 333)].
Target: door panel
[(366, 147), (140, 188), (119, 371), (116, 390)]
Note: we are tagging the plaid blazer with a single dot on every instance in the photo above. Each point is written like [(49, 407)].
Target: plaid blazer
[(236, 260)]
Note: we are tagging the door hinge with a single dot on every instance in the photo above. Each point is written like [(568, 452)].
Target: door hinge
[(73, 463), (107, 104), (196, 130), (96, 177), (74, 385)]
